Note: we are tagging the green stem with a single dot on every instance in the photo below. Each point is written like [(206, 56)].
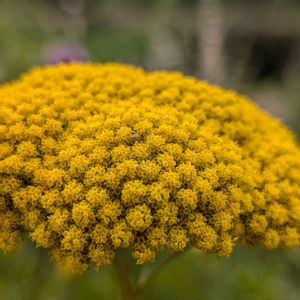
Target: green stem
[(147, 278), (123, 274), (128, 290), (40, 273)]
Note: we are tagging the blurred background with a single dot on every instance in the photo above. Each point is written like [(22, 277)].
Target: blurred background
[(252, 46)]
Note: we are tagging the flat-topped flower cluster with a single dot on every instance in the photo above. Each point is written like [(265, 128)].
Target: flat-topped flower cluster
[(97, 157)]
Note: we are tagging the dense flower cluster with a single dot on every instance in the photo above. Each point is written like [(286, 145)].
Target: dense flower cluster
[(94, 158)]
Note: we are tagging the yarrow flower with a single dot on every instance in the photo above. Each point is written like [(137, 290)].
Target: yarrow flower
[(98, 157)]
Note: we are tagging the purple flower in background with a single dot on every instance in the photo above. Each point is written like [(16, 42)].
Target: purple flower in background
[(65, 52)]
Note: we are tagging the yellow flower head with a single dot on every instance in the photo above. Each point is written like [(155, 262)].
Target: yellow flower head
[(97, 157)]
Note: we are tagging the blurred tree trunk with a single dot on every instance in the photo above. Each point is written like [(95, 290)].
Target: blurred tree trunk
[(211, 37)]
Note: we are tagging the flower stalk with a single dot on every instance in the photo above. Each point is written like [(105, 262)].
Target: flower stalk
[(123, 275), (128, 288)]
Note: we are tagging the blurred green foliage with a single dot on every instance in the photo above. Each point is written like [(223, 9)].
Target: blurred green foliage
[(163, 34), (250, 273)]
